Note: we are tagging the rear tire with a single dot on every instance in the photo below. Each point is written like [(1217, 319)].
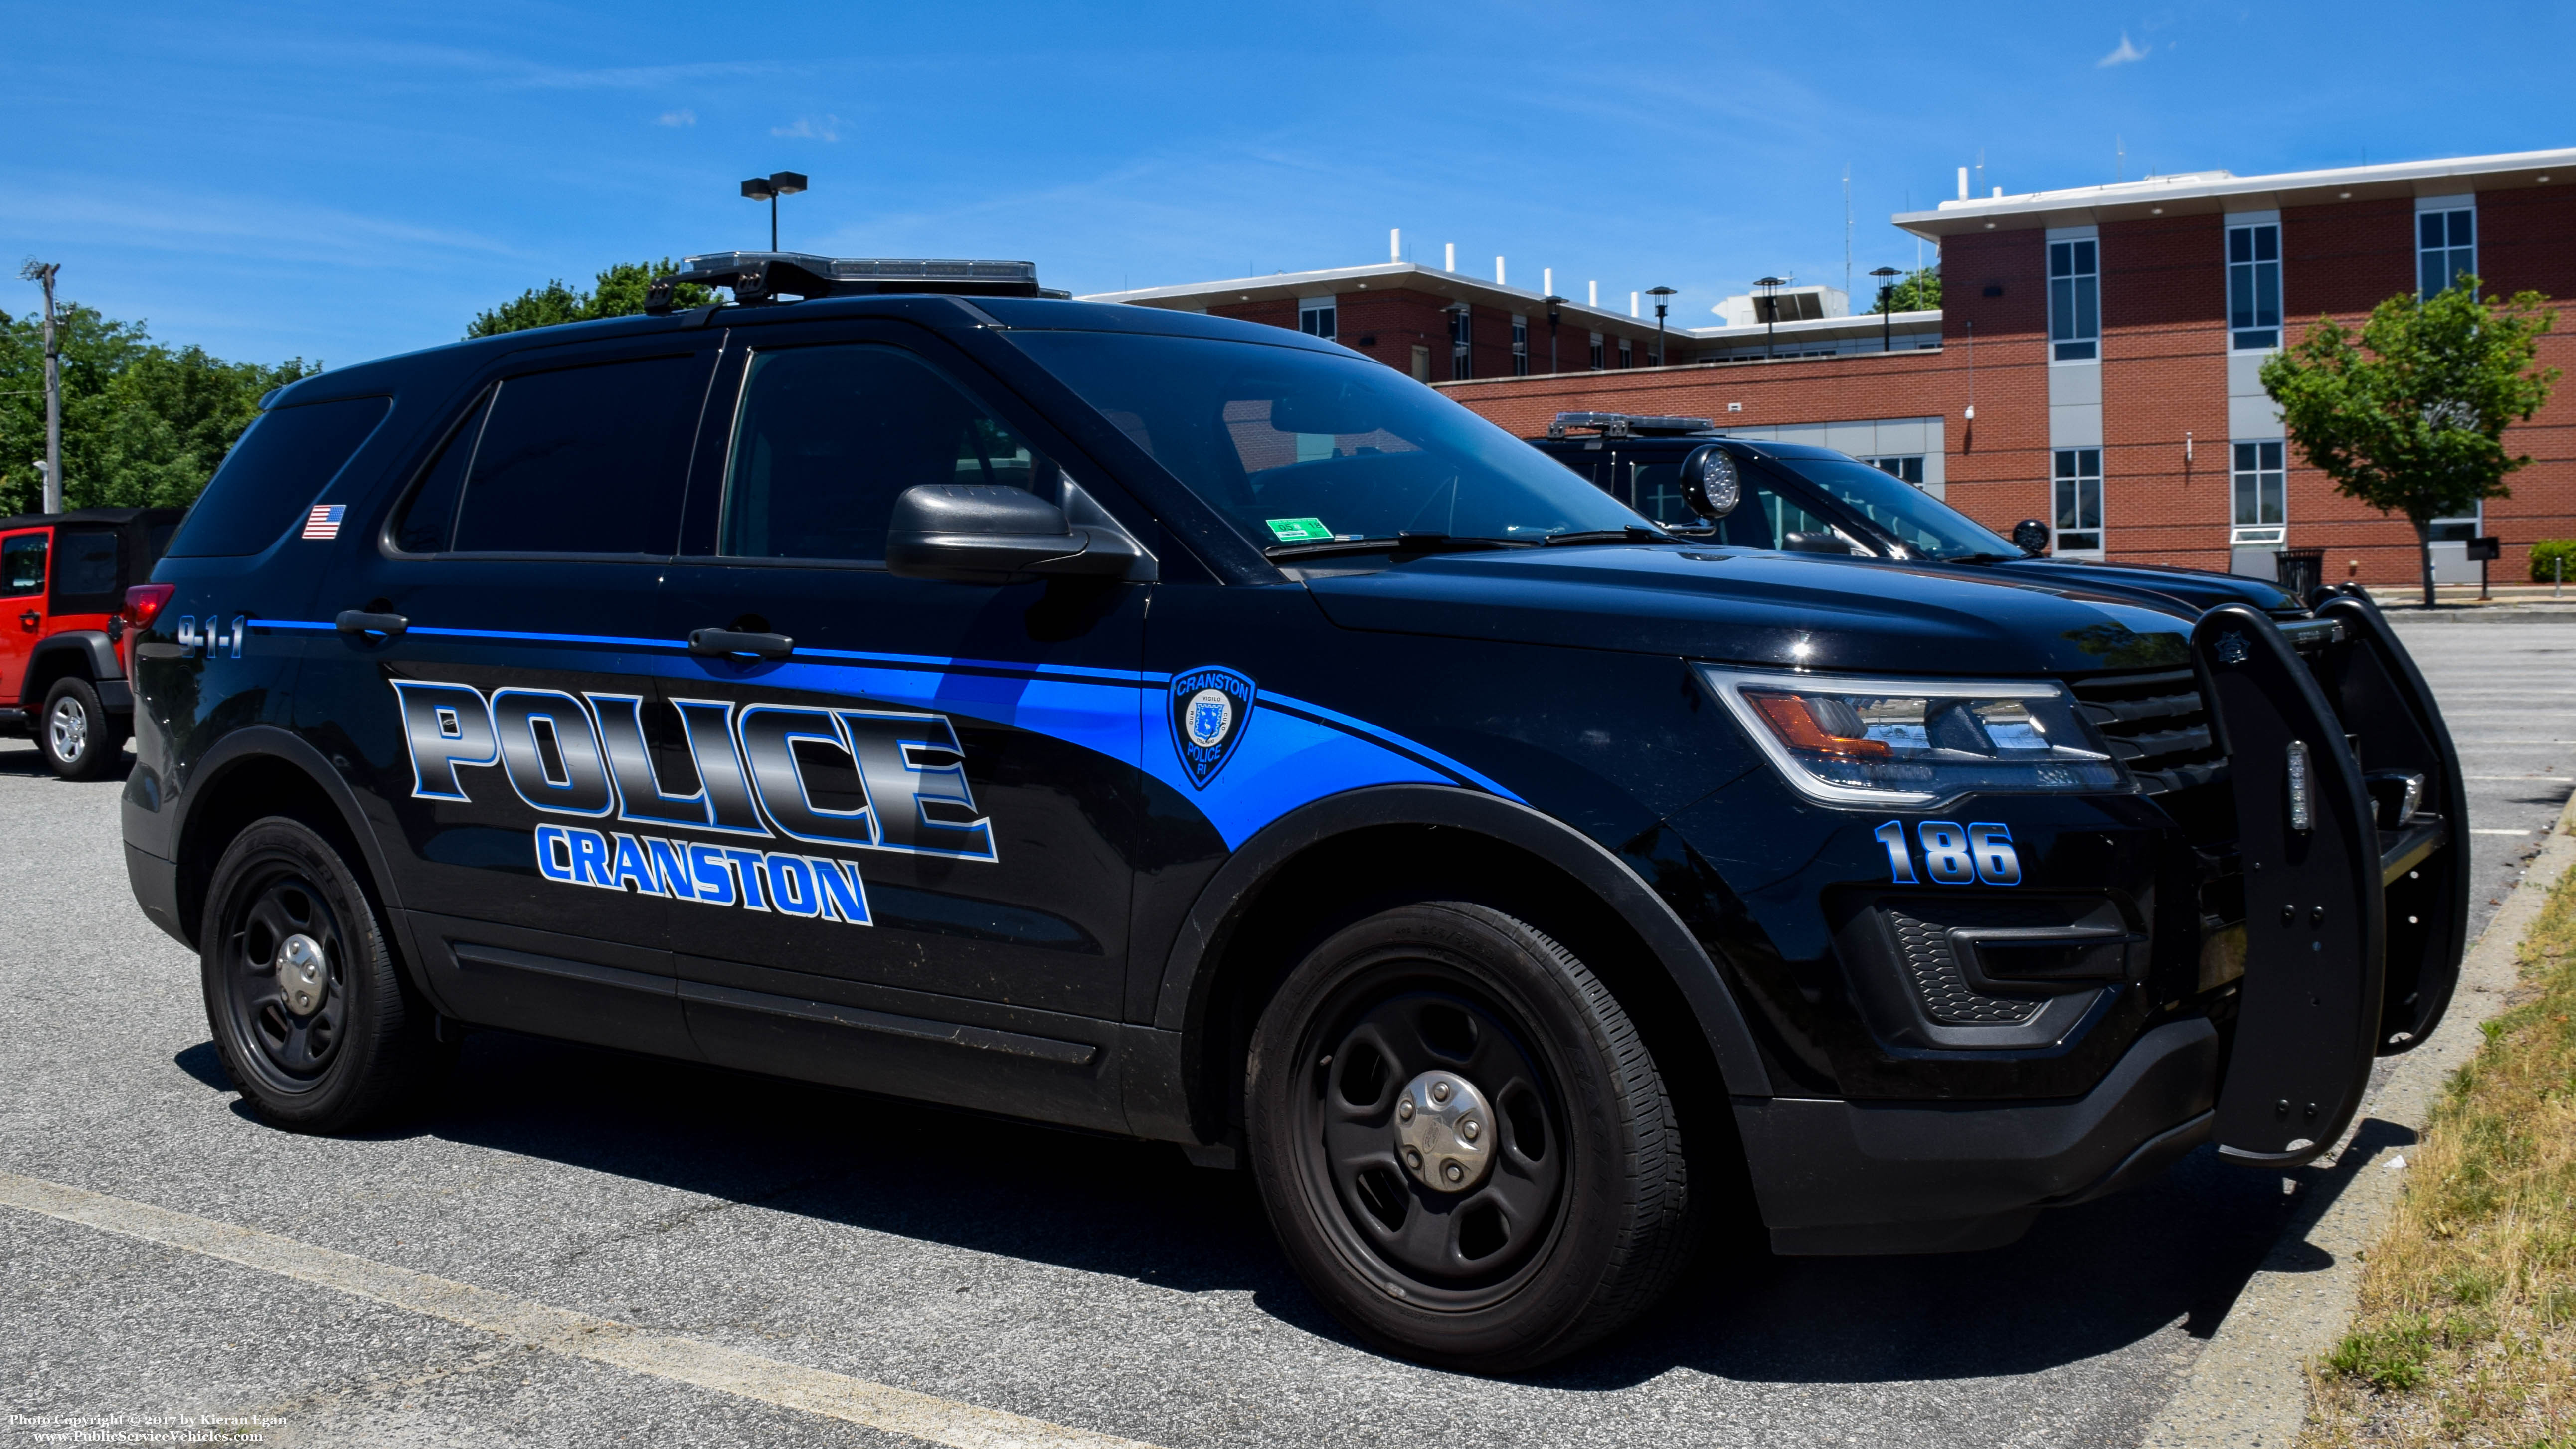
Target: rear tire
[(311, 1014), (1573, 1218), (79, 738)]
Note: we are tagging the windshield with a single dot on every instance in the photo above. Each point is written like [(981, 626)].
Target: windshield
[(1928, 527), (1298, 447)]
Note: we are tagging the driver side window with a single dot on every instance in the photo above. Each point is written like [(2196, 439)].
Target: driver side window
[(827, 437)]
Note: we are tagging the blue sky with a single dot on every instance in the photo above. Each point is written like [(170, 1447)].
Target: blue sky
[(341, 182)]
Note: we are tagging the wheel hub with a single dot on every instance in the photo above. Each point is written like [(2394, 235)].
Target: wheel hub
[(1444, 1132), (303, 977), (70, 727)]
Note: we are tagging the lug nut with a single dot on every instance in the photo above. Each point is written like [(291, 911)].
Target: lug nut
[(1453, 1172), (1440, 1091), (1468, 1129), (1404, 1110), (1413, 1159)]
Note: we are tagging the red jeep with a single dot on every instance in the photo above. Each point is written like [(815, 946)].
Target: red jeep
[(63, 578)]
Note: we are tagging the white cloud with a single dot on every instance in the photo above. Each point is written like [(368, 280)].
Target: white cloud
[(681, 117), (811, 128), (2122, 56)]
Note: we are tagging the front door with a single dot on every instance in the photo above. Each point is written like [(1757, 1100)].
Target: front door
[(496, 637), (22, 595), (932, 831)]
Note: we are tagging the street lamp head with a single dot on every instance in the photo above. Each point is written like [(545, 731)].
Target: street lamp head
[(1770, 281), (786, 183), (1659, 291), (1885, 272), (758, 189)]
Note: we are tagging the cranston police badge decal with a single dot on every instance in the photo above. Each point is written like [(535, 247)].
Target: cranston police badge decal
[(1210, 706)]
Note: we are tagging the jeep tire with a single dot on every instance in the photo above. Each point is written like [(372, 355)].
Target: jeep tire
[(79, 738), (313, 1018), (1573, 1217)]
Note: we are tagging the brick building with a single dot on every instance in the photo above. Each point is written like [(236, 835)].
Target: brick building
[(2094, 364)]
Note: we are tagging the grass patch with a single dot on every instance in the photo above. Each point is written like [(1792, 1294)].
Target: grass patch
[(2466, 1330)]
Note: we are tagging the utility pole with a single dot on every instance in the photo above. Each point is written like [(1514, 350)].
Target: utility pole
[(44, 272)]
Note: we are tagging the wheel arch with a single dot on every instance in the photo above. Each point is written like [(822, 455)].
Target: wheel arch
[(1240, 936), (259, 771), (86, 652)]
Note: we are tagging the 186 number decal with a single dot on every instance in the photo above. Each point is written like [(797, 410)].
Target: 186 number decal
[(1952, 855)]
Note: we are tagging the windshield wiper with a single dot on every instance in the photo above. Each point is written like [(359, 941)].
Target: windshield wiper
[(1630, 534), (1400, 543)]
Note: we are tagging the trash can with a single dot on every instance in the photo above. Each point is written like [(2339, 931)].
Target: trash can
[(2299, 571)]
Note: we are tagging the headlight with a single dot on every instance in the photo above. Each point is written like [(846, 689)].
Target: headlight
[(1916, 742)]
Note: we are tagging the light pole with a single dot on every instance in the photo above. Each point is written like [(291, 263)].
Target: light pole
[(1659, 294), (1886, 307), (1553, 303), (769, 188), (44, 273), (1770, 315)]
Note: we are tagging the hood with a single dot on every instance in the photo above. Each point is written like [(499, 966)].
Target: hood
[(2194, 591), (1749, 606)]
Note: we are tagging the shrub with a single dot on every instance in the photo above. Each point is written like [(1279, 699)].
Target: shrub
[(2546, 553)]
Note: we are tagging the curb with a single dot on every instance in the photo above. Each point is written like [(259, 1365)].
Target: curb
[(2248, 1388)]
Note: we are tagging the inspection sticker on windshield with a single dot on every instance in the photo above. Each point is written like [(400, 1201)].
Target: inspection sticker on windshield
[(1299, 530)]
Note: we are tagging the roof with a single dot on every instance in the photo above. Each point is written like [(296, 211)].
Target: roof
[(91, 515), (2222, 191), (1384, 276)]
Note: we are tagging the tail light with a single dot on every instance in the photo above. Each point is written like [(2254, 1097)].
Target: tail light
[(143, 604)]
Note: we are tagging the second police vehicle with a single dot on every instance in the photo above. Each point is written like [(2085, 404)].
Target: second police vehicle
[(1177, 727)]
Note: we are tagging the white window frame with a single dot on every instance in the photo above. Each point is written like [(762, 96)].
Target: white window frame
[(2076, 246), (1520, 345), (2258, 531), (2447, 207), (2257, 335), (2067, 471), (1319, 317)]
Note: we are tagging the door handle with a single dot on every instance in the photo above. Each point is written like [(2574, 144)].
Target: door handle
[(734, 641), (30, 619), (359, 621)]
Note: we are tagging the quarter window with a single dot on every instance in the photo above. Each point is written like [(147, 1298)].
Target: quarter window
[(277, 470), (2074, 301), (2261, 494), (22, 563), (1318, 318), (2254, 286), (2079, 500), (2446, 247), (827, 436)]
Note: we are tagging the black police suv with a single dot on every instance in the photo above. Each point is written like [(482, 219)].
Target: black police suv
[(1169, 726)]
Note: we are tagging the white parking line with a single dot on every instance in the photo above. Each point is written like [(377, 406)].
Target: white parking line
[(2473, 830), (2527, 779), (558, 1330)]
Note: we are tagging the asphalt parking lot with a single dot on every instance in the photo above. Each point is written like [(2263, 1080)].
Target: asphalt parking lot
[(1089, 1283)]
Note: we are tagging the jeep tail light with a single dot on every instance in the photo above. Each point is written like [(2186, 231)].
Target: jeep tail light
[(143, 604)]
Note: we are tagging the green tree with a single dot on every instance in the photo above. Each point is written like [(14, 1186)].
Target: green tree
[(2408, 414), (143, 424), (617, 292), (1916, 291)]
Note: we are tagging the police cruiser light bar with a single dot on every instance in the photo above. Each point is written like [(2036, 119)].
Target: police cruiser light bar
[(768, 276), (1623, 425)]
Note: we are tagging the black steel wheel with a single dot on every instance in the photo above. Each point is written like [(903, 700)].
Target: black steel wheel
[(79, 738), (310, 1013), (1466, 1150)]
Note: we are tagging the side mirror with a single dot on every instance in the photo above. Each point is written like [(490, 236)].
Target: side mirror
[(2031, 536), (1711, 485), (978, 533)]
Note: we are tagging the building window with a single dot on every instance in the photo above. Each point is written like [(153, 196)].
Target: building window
[(2074, 301), (1907, 466), (2262, 496), (1316, 318), (2079, 500), (1626, 358), (1462, 341), (1421, 363), (1596, 352), (2446, 245), (2254, 286), (1520, 346)]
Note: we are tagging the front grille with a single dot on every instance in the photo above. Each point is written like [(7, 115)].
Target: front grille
[(2157, 725)]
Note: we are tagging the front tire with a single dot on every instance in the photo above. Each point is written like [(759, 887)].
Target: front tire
[(311, 1015), (1556, 1208), (79, 738)]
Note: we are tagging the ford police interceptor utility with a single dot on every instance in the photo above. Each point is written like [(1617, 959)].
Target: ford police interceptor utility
[(1171, 726)]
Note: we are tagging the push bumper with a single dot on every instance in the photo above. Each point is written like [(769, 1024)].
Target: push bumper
[(1865, 1177)]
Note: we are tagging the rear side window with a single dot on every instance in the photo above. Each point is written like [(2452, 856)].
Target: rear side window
[(278, 468), (85, 572), (584, 460), (22, 562)]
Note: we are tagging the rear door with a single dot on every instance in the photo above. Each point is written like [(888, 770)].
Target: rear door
[(919, 881), (491, 656), (23, 558)]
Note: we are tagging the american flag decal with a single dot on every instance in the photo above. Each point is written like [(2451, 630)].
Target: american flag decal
[(324, 520)]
